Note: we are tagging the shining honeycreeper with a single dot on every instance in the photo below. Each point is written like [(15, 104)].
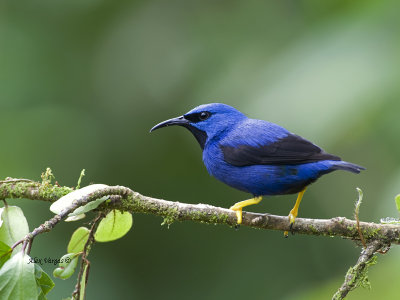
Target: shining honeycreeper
[(256, 156)]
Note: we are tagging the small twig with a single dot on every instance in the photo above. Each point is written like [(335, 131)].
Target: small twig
[(17, 243), (84, 260), (28, 251), (26, 243), (357, 275), (49, 225), (356, 214), (80, 179)]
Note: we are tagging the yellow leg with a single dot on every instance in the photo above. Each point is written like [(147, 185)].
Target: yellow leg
[(239, 206), (293, 213)]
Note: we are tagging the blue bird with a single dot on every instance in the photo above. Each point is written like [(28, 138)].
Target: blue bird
[(256, 156)]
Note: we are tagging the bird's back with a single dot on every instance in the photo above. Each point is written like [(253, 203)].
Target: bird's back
[(263, 158)]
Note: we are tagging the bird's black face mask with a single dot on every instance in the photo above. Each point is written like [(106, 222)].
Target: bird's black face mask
[(185, 121)]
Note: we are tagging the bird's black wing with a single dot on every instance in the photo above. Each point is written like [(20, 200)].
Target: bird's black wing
[(290, 150)]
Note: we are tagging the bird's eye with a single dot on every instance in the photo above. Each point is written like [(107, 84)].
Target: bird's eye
[(204, 115), (197, 117)]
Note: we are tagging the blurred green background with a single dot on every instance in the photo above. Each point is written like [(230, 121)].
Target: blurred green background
[(82, 82)]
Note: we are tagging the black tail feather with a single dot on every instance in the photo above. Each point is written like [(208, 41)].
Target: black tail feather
[(344, 165)]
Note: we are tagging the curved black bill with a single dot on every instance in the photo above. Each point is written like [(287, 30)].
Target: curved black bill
[(181, 121)]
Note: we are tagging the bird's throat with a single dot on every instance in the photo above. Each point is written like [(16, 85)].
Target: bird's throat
[(201, 136)]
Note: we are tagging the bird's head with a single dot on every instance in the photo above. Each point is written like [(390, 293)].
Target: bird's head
[(206, 121)]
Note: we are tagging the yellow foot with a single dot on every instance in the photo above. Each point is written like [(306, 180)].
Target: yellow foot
[(237, 207), (293, 213), (238, 213), (292, 217)]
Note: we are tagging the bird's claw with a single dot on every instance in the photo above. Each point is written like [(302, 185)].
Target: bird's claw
[(292, 218), (291, 227), (238, 214)]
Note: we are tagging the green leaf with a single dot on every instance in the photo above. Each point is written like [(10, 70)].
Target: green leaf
[(78, 240), (67, 200), (43, 281), (13, 225), (5, 253), (83, 284), (75, 218), (397, 199), (67, 265), (114, 226), (88, 207), (17, 278)]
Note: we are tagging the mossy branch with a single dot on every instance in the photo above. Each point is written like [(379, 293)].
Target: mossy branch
[(125, 199), (357, 275), (374, 235)]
